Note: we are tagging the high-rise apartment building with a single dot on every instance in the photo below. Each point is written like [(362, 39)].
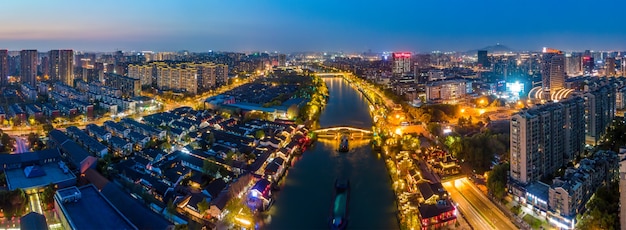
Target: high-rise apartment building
[(600, 111), (552, 71), (144, 73), (622, 189), (62, 66), (401, 63), (609, 67), (181, 78), (545, 138), (483, 60), (130, 87), (185, 77), (4, 67), (28, 67), (221, 74)]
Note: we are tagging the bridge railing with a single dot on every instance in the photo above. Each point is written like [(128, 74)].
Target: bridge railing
[(342, 128)]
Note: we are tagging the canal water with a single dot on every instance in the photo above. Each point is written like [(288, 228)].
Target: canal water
[(305, 197)]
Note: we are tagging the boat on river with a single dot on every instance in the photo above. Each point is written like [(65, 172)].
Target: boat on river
[(343, 144), (339, 217)]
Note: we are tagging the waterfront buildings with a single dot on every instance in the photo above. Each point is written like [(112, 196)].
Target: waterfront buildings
[(28, 66)]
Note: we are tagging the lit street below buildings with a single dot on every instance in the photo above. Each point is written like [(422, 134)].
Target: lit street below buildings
[(21, 145), (480, 212)]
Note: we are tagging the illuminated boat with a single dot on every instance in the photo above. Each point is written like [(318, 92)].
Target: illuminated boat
[(339, 218), (343, 144)]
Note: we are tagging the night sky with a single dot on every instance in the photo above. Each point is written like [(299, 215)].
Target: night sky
[(312, 25)]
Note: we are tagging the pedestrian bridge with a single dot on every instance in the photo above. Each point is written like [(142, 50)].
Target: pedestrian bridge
[(331, 74), (337, 131)]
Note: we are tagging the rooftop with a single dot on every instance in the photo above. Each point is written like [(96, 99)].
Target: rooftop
[(16, 178), (82, 215)]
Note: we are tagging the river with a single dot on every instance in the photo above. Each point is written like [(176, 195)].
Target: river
[(305, 197)]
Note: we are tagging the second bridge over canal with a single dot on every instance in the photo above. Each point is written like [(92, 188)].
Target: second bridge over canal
[(336, 132)]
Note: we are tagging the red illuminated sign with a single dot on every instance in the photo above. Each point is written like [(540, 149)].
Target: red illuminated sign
[(402, 55)]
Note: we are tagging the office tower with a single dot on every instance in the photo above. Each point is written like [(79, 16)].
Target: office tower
[(62, 66), (541, 139), (401, 63), (483, 60), (588, 65), (4, 67), (28, 67), (282, 60), (609, 66), (600, 111), (573, 64), (552, 71)]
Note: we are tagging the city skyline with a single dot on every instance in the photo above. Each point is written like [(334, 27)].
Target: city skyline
[(279, 26)]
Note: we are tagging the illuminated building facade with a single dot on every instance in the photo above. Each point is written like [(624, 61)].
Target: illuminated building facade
[(552, 71), (401, 63), (545, 138), (28, 66), (61, 65), (4, 67), (609, 67)]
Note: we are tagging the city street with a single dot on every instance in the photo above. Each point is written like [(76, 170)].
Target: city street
[(21, 144), (480, 212)]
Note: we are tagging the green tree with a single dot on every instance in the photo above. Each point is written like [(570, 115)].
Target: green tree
[(237, 209), (259, 134), (497, 180), (203, 206), (209, 167), (47, 196)]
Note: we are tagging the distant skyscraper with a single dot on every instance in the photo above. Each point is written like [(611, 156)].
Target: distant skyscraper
[(552, 71), (588, 65), (483, 60), (44, 67), (4, 67), (573, 64), (401, 63), (28, 67), (62, 66), (53, 64), (282, 60), (609, 66)]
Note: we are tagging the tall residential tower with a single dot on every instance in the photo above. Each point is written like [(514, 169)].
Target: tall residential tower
[(28, 67)]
